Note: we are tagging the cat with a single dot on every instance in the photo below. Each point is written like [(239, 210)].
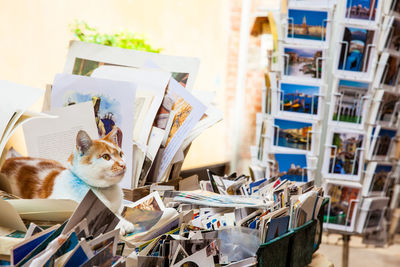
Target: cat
[(94, 164)]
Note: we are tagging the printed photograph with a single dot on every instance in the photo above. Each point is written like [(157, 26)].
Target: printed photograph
[(293, 134), (303, 62), (341, 208), (388, 110), (393, 40), (356, 49), (345, 157), (290, 166), (379, 178), (299, 98), (391, 72), (107, 110), (383, 142), (307, 24), (361, 9), (144, 215), (350, 104), (395, 7)]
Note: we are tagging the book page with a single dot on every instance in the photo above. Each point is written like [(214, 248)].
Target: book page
[(55, 138)]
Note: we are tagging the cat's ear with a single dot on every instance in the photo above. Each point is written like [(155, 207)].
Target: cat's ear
[(83, 142), (115, 136)]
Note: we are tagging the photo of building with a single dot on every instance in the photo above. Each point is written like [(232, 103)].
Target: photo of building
[(345, 156), (299, 98), (292, 134), (361, 9), (303, 62), (307, 24), (350, 101), (355, 50), (290, 166)]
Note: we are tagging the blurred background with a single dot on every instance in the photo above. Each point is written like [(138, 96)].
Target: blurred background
[(35, 36)]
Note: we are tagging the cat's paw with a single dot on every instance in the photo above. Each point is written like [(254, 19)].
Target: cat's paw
[(125, 226)]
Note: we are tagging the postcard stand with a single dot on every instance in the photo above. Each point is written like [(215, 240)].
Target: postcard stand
[(367, 106)]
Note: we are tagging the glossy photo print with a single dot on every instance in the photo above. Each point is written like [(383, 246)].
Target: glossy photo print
[(298, 98), (292, 134), (361, 9), (292, 167), (356, 48), (376, 181), (393, 39), (350, 101), (391, 73), (388, 110), (383, 142), (345, 153), (307, 24), (340, 214), (303, 62)]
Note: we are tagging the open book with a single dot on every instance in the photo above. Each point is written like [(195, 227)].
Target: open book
[(15, 100)]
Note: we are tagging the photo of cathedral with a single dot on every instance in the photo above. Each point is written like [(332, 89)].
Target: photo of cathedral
[(307, 24)]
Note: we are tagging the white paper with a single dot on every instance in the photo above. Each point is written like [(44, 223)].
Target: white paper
[(108, 55), (54, 138), (117, 98)]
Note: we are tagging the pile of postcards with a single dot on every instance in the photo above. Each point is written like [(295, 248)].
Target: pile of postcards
[(218, 225), (333, 115)]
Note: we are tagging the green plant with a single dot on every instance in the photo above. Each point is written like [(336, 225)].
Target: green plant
[(128, 40)]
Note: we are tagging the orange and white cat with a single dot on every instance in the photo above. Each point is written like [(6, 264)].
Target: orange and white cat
[(94, 164)]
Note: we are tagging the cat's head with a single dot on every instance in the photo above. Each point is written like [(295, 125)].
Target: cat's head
[(99, 163)]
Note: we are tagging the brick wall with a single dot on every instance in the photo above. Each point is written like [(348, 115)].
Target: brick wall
[(253, 91)]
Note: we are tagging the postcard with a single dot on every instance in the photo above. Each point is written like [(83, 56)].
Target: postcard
[(392, 35), (300, 100), (389, 110), (112, 101), (188, 110), (351, 100), (303, 62), (376, 180), (304, 25), (92, 208), (394, 7), (390, 76), (85, 57), (144, 213), (342, 208), (382, 144), (103, 258), (344, 154), (277, 227), (357, 52), (42, 246), (371, 214), (362, 11), (101, 241), (292, 135), (24, 248), (78, 256), (292, 167)]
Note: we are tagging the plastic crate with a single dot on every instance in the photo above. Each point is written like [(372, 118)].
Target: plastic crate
[(275, 252), (301, 246), (296, 247)]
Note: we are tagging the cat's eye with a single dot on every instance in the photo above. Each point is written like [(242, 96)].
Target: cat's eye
[(121, 154), (106, 156)]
